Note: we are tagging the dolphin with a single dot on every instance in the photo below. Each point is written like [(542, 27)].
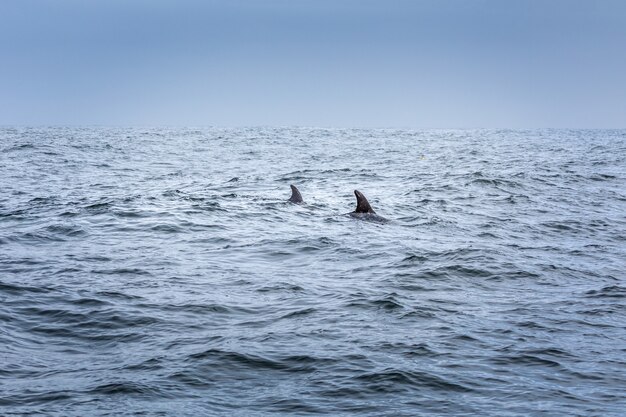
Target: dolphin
[(364, 211), (296, 197)]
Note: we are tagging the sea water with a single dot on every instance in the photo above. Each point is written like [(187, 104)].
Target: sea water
[(161, 271)]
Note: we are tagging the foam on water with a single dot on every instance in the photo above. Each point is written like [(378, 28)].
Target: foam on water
[(161, 271)]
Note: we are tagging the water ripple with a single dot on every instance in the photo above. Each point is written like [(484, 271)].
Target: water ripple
[(161, 271)]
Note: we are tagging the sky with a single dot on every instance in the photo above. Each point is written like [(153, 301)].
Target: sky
[(335, 63)]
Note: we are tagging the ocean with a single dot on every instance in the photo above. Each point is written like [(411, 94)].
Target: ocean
[(162, 271)]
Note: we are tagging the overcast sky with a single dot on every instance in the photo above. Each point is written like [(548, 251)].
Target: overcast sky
[(360, 63)]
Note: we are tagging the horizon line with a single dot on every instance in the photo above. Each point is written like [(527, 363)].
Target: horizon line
[(294, 126)]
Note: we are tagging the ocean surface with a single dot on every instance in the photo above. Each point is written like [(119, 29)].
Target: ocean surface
[(161, 272)]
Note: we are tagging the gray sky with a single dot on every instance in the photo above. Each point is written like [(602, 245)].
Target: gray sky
[(387, 63)]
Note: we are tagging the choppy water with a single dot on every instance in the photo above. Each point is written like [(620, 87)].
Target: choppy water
[(162, 272)]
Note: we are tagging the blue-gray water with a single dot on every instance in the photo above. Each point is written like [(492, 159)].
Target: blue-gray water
[(162, 272)]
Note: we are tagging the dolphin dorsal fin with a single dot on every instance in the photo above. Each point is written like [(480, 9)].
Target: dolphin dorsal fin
[(362, 205), (296, 197)]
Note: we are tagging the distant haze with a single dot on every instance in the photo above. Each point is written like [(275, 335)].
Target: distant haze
[(393, 63)]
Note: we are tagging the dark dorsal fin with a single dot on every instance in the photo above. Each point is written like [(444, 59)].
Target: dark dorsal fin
[(362, 205), (296, 197)]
